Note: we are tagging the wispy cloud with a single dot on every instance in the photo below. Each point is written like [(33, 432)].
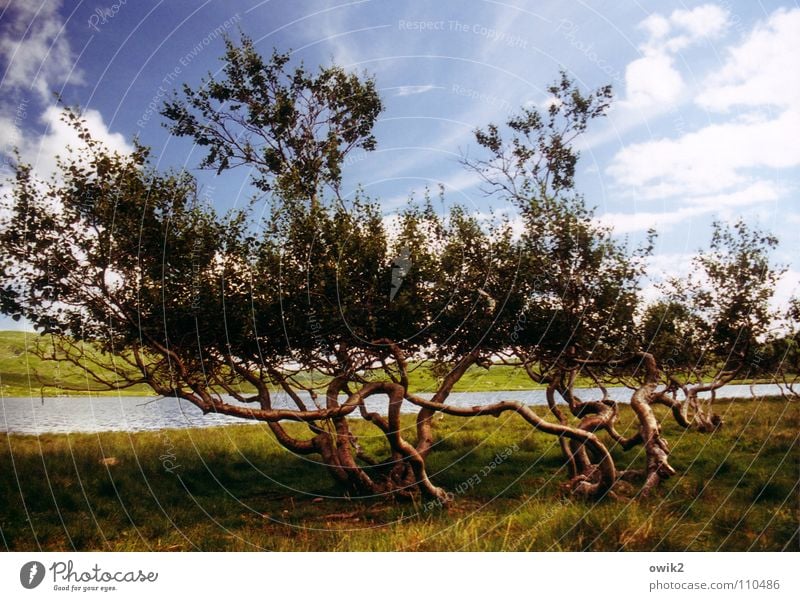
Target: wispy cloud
[(413, 90)]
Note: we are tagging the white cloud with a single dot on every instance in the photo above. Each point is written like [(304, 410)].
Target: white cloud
[(759, 71), (662, 267), (706, 21), (737, 164), (713, 168), (35, 49), (38, 60), (41, 152), (759, 191), (9, 133), (657, 26), (666, 265), (653, 80), (640, 221), (710, 160), (786, 287), (625, 223)]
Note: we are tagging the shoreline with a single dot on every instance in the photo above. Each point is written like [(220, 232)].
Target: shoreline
[(8, 392)]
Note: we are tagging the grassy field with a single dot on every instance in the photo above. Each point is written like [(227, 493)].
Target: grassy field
[(233, 488)]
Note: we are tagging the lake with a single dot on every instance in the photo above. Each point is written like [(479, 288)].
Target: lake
[(131, 414)]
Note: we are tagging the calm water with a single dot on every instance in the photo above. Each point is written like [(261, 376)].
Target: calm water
[(87, 414)]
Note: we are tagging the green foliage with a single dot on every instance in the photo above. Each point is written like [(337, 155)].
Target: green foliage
[(667, 329), (576, 287), (294, 127), (585, 294), (719, 315), (535, 157), (147, 270), (113, 253)]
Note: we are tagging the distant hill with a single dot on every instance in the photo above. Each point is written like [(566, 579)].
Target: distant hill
[(24, 374)]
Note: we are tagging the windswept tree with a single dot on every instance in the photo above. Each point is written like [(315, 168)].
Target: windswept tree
[(578, 287), (117, 263), (316, 312), (333, 264)]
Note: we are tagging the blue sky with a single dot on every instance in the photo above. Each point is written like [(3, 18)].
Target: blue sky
[(704, 125)]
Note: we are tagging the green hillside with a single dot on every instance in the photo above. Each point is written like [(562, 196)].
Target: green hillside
[(22, 373)]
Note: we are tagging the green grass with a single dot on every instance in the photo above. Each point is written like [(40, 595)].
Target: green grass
[(235, 489)]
